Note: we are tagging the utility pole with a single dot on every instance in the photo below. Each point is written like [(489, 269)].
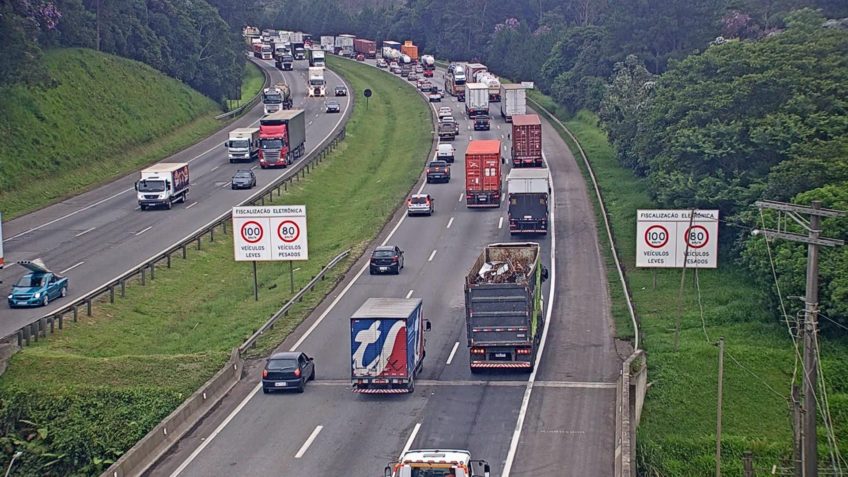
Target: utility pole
[(718, 405), (813, 240)]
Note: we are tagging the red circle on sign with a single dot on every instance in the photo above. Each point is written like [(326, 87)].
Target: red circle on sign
[(660, 235), (249, 237), (292, 237), (705, 236)]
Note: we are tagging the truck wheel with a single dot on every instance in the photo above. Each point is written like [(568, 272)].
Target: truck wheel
[(64, 292), (169, 204), (411, 386)]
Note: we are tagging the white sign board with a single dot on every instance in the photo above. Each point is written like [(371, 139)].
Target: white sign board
[(670, 238), (1, 241), (269, 233)]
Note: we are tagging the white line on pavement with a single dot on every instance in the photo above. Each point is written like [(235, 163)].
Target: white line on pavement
[(461, 195), (450, 222), (411, 438), (84, 232), (143, 230), (433, 254), (69, 215), (500, 222), (253, 168), (452, 353), (410, 293), (70, 268), (308, 442), (215, 168), (191, 205)]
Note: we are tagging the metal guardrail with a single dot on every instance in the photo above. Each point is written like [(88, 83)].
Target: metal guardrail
[(253, 101)]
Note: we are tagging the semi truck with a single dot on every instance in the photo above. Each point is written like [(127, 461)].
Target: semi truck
[(437, 462), (316, 86), (328, 43), (162, 184), (365, 47), (276, 97), (455, 81), (476, 100), (483, 173), (513, 101), (410, 50), (528, 193), (503, 306), (316, 57), (284, 62), (428, 62), (282, 138), (344, 45), (242, 144), (262, 51), (298, 49), (527, 141), (493, 83), (387, 345)]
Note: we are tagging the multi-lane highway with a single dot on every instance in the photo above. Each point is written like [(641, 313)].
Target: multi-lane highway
[(99, 235), (558, 421)]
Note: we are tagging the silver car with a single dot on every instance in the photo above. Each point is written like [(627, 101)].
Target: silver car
[(420, 204)]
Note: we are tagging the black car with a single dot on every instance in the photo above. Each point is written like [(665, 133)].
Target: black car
[(244, 179), (481, 123), (289, 370), (341, 90), (333, 106), (386, 259)]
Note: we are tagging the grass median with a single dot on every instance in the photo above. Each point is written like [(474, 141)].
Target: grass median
[(99, 386), (677, 431)]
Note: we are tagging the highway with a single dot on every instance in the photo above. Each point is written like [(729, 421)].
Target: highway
[(556, 421), (97, 236)]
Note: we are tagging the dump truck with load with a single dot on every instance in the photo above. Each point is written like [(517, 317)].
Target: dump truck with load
[(527, 141), (527, 195), (437, 463), (282, 138), (503, 306)]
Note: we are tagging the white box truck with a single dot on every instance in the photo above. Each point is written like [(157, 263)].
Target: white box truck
[(476, 100), (243, 144), (162, 184), (513, 101)]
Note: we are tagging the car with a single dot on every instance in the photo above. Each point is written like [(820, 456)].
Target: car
[(419, 204), (360, 57), (419, 69), (437, 171), (481, 123), (444, 112), (404, 72), (37, 287), (287, 370), (445, 152), (393, 64), (381, 63), (333, 106), (424, 86), (397, 70), (434, 98), (386, 258), (438, 91), (412, 77), (447, 119), (341, 90), (243, 179), (428, 73)]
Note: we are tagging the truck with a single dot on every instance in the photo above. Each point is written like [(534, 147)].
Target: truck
[(390, 54), (410, 50), (262, 51), (483, 173), (387, 345), (298, 50), (162, 184), (448, 130), (242, 144), (316, 86), (316, 57), (392, 45), (328, 43), (528, 193), (476, 100), (472, 69), (455, 81), (276, 97), (365, 47), (284, 62), (282, 138), (437, 462), (493, 83), (513, 101), (428, 62), (527, 141), (344, 45), (37, 287), (503, 307)]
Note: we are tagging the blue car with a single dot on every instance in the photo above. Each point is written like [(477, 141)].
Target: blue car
[(38, 287)]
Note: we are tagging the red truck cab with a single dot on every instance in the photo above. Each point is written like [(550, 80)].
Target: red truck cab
[(273, 149)]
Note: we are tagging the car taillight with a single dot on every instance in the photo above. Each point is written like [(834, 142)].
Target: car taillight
[(478, 351), (394, 259), (522, 350), (297, 373), (427, 203), (264, 373)]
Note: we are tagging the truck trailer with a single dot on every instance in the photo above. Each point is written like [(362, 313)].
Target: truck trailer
[(513, 101), (242, 144), (276, 98), (410, 50), (282, 138), (365, 47), (328, 43), (503, 306), (162, 184), (527, 141), (428, 62), (528, 193), (483, 173), (476, 100), (344, 45), (387, 345)]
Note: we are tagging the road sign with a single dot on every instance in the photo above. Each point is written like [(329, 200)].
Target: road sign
[(269, 233), (670, 238)]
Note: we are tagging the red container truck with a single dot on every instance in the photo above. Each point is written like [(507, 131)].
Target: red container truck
[(526, 141), (483, 173), (366, 47), (282, 138)]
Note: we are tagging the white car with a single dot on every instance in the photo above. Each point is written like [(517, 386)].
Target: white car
[(444, 112)]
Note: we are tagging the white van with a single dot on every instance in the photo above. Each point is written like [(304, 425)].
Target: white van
[(445, 152)]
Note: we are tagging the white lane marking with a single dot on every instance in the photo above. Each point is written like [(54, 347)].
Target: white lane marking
[(411, 438), (410, 293), (525, 402), (70, 268), (84, 232), (461, 196), (433, 254), (308, 442), (450, 222), (191, 205), (69, 215), (309, 123), (253, 168), (503, 198), (215, 168), (143, 230), (499, 126), (452, 353), (500, 222)]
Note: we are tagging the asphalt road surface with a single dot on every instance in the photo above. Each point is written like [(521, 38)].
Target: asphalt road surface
[(558, 421), (97, 236)]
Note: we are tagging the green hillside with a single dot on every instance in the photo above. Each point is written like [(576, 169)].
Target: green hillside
[(97, 116)]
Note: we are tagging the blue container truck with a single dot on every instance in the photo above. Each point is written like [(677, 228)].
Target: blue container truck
[(387, 345)]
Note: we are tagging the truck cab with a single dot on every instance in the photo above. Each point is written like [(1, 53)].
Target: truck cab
[(317, 86), (37, 287), (437, 463)]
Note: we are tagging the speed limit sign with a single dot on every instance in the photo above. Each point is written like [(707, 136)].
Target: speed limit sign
[(656, 236), (677, 238), (270, 233), (251, 231), (697, 236)]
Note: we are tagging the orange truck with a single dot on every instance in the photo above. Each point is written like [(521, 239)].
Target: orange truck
[(410, 50)]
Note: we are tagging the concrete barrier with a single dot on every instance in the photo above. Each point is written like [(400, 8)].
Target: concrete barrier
[(630, 394)]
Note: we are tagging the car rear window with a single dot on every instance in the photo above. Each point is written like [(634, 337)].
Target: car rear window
[(438, 164), (282, 364), (383, 253), (419, 200)]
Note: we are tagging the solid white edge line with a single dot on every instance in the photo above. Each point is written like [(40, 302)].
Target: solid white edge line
[(411, 438), (452, 353), (500, 222), (450, 222), (433, 254), (84, 232), (410, 293), (71, 268), (525, 402), (143, 230), (308, 442)]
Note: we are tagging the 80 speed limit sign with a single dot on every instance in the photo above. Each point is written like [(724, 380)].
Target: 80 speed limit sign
[(270, 233), (677, 238)]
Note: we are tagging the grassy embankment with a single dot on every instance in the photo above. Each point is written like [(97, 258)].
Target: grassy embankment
[(677, 432), (99, 386), (251, 85), (97, 117)]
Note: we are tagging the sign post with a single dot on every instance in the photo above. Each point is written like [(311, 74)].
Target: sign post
[(367, 94)]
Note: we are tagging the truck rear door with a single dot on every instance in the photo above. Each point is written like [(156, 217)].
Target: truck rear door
[(379, 348), (491, 173), (498, 314)]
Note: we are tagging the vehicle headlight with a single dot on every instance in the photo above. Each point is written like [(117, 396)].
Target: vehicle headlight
[(37, 295), (10, 297)]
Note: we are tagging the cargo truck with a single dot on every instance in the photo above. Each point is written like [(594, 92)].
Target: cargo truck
[(483, 173), (437, 463), (316, 57), (410, 50), (476, 100), (387, 345), (473, 69), (282, 138), (344, 45), (428, 62), (316, 86), (503, 306), (262, 51), (527, 141), (276, 98), (328, 43), (243, 144), (513, 101), (284, 62), (493, 83), (162, 184), (528, 193), (365, 47)]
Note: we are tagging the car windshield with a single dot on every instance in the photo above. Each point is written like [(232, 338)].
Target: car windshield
[(30, 281), (239, 143), (272, 99), (433, 472), (340, 88), (316, 82), (272, 144), (419, 200), (333, 104), (383, 254), (151, 186), (282, 364), (242, 175)]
